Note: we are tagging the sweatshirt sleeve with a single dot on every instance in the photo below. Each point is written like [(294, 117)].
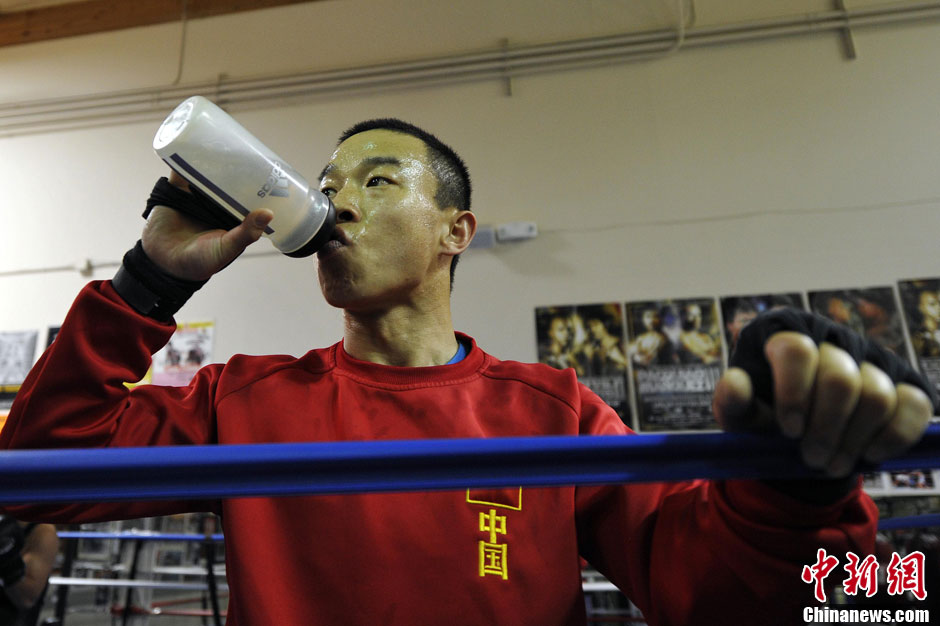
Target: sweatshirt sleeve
[(712, 552), (75, 397)]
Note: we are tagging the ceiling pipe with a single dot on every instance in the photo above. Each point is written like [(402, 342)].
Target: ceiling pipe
[(57, 114)]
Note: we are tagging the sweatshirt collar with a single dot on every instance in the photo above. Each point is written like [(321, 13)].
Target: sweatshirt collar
[(375, 373)]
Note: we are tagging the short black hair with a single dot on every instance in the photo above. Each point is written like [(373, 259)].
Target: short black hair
[(453, 177)]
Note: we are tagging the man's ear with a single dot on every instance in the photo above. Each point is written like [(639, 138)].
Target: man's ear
[(463, 226)]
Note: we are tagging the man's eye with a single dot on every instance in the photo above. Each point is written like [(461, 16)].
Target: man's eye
[(375, 181)]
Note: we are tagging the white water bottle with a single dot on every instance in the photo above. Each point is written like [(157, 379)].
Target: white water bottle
[(207, 147)]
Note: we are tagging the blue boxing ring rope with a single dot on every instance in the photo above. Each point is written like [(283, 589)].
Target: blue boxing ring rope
[(290, 469)]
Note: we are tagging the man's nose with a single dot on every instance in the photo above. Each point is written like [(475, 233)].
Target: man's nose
[(347, 206)]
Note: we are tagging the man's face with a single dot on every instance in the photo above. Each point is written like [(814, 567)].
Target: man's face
[(739, 321), (930, 304), (839, 311), (390, 227), (559, 331)]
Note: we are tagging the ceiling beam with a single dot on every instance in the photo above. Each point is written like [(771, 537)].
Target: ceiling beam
[(95, 16)]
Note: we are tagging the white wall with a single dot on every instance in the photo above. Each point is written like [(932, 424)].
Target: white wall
[(775, 165)]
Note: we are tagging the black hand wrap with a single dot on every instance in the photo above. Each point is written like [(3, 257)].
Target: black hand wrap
[(150, 290), (749, 352), (749, 355), (12, 568), (193, 203)]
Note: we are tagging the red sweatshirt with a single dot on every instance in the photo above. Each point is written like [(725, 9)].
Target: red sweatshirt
[(688, 553)]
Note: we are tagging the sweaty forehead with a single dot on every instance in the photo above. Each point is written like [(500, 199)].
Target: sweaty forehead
[(379, 144)]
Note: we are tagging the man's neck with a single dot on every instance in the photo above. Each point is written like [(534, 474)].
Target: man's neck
[(404, 336)]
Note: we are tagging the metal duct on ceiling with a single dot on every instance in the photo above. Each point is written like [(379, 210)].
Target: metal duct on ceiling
[(56, 114)]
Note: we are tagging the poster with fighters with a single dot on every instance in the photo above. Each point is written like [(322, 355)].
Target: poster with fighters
[(737, 311), (189, 348), (588, 338), (920, 300), (17, 353), (675, 355), (872, 312), (916, 482), (912, 482)]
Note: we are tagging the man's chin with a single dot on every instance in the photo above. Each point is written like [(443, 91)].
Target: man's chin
[(341, 294), (336, 298)]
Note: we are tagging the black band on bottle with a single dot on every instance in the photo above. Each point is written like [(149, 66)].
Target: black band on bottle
[(193, 203)]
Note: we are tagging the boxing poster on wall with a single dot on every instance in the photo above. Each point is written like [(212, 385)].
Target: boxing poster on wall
[(912, 481), (189, 349), (737, 311), (871, 312), (915, 482), (590, 340), (920, 300), (51, 333), (17, 352), (675, 354)]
